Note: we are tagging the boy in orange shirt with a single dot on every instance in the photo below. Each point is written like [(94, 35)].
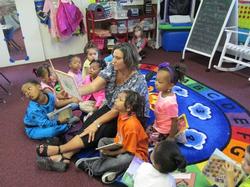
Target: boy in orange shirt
[(130, 134)]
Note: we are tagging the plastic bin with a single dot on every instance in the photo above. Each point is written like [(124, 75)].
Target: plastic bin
[(174, 40)]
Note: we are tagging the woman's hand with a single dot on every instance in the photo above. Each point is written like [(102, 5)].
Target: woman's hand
[(90, 130)]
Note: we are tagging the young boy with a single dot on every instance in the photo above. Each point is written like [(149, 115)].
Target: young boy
[(230, 175), (37, 123)]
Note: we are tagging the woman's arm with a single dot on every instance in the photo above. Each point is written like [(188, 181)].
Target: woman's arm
[(97, 84), (91, 129), (63, 102)]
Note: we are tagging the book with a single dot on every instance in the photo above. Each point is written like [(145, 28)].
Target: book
[(112, 146), (182, 124), (128, 177), (184, 179), (61, 113), (214, 172), (68, 83)]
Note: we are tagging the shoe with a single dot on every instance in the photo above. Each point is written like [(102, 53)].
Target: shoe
[(45, 163), (79, 161), (109, 177), (85, 164)]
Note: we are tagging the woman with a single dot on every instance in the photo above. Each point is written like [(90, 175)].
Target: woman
[(121, 74)]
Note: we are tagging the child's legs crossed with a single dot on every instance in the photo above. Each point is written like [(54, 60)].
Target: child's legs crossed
[(113, 164)]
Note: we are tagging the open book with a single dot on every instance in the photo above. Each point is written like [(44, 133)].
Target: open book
[(112, 146), (214, 169), (67, 82), (61, 113)]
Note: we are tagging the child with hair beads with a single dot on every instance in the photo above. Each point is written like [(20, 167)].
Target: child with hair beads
[(91, 52), (139, 40), (166, 107), (47, 84), (166, 158), (37, 123), (130, 133), (230, 175), (98, 97)]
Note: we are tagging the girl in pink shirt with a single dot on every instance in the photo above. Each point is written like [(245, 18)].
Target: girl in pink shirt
[(166, 107), (48, 82), (97, 98), (75, 66)]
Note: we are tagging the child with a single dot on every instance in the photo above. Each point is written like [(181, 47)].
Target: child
[(37, 123), (47, 84), (75, 66), (91, 52), (98, 97), (166, 107), (166, 158), (139, 40), (130, 133), (229, 171)]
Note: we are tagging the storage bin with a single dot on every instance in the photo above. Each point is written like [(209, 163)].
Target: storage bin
[(174, 40)]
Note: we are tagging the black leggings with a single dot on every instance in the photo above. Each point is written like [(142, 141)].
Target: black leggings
[(106, 130)]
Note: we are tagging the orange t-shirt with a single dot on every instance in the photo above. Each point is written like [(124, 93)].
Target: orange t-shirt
[(132, 136)]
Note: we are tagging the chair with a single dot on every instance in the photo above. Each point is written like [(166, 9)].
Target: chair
[(8, 35), (3, 88), (242, 52)]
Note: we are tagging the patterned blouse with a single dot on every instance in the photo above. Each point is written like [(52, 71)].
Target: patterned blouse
[(136, 83)]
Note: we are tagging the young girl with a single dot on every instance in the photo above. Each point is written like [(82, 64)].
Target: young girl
[(75, 66), (37, 123), (91, 52), (166, 158), (131, 135), (230, 175), (47, 84), (139, 40), (166, 107), (98, 97)]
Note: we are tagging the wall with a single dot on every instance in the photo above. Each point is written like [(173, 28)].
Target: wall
[(38, 43)]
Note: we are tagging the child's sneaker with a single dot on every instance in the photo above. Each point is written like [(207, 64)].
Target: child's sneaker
[(85, 164), (109, 177)]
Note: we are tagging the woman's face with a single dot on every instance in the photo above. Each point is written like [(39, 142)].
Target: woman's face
[(94, 70), (118, 60), (31, 91)]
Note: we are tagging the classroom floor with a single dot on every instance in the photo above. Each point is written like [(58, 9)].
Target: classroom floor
[(18, 155)]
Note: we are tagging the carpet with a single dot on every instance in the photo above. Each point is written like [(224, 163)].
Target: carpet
[(215, 121)]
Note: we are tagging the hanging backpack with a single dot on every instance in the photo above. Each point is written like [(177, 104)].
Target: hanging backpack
[(68, 18)]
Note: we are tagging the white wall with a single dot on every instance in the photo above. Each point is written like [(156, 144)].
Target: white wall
[(73, 45), (38, 43)]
